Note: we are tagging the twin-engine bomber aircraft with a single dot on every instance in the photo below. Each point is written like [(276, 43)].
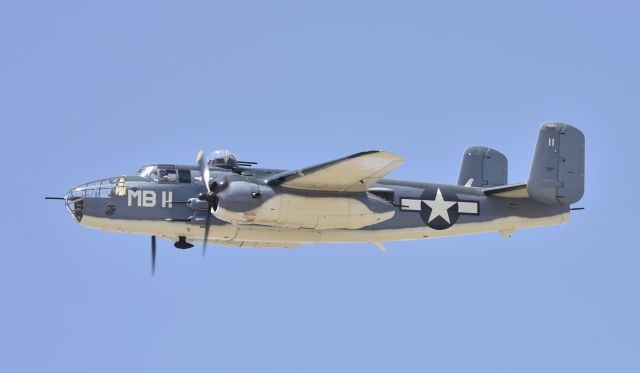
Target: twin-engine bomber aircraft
[(226, 201)]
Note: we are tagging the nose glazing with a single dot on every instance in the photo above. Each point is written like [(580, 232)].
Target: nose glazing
[(77, 198), (74, 203)]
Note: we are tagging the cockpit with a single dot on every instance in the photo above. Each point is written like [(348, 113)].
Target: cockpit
[(169, 174), (172, 174)]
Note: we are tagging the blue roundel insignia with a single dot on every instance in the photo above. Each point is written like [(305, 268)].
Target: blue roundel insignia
[(438, 209)]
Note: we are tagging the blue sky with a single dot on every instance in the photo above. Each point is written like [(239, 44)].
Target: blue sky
[(96, 89)]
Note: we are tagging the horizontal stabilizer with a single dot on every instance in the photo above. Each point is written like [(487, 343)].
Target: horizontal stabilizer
[(508, 191)]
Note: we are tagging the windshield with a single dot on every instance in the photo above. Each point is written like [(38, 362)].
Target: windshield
[(149, 172)]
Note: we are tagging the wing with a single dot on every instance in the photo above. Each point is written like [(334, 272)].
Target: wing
[(354, 173)]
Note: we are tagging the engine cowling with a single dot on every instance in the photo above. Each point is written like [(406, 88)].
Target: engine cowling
[(237, 202)]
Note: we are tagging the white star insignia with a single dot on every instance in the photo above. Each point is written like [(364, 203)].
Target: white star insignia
[(439, 207)]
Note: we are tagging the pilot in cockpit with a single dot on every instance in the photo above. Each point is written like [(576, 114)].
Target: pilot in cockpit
[(164, 177)]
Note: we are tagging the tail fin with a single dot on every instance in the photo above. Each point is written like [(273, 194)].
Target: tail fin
[(557, 171), (483, 167)]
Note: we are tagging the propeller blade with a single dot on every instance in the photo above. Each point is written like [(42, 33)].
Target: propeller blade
[(206, 232), (204, 171), (153, 255)]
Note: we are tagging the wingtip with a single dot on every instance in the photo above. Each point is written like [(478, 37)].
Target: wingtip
[(393, 156), (379, 152)]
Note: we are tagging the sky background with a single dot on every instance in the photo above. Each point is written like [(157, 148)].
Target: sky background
[(96, 89)]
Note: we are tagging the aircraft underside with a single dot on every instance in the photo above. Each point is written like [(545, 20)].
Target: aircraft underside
[(281, 235)]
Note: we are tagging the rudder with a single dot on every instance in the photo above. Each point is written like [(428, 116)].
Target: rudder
[(557, 170)]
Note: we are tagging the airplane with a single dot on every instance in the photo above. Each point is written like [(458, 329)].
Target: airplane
[(230, 202)]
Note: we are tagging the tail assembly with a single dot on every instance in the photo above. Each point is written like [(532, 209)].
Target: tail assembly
[(557, 171), (483, 167)]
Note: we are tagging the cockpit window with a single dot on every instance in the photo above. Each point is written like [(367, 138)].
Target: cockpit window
[(222, 158), (167, 175), (149, 172)]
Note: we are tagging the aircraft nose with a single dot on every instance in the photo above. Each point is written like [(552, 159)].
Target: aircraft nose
[(74, 203)]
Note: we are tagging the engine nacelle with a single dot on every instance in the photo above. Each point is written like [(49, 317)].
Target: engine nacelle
[(237, 202), (244, 202)]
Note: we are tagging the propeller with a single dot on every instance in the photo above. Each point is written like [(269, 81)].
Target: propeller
[(204, 171), (153, 255), (211, 197)]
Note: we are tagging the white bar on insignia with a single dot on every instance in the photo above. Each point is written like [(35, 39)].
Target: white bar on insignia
[(467, 207), (410, 204)]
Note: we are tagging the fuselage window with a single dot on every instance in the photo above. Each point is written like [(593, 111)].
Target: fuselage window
[(196, 178), (105, 191), (184, 176)]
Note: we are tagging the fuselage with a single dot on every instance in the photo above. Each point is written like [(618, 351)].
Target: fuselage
[(251, 211)]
